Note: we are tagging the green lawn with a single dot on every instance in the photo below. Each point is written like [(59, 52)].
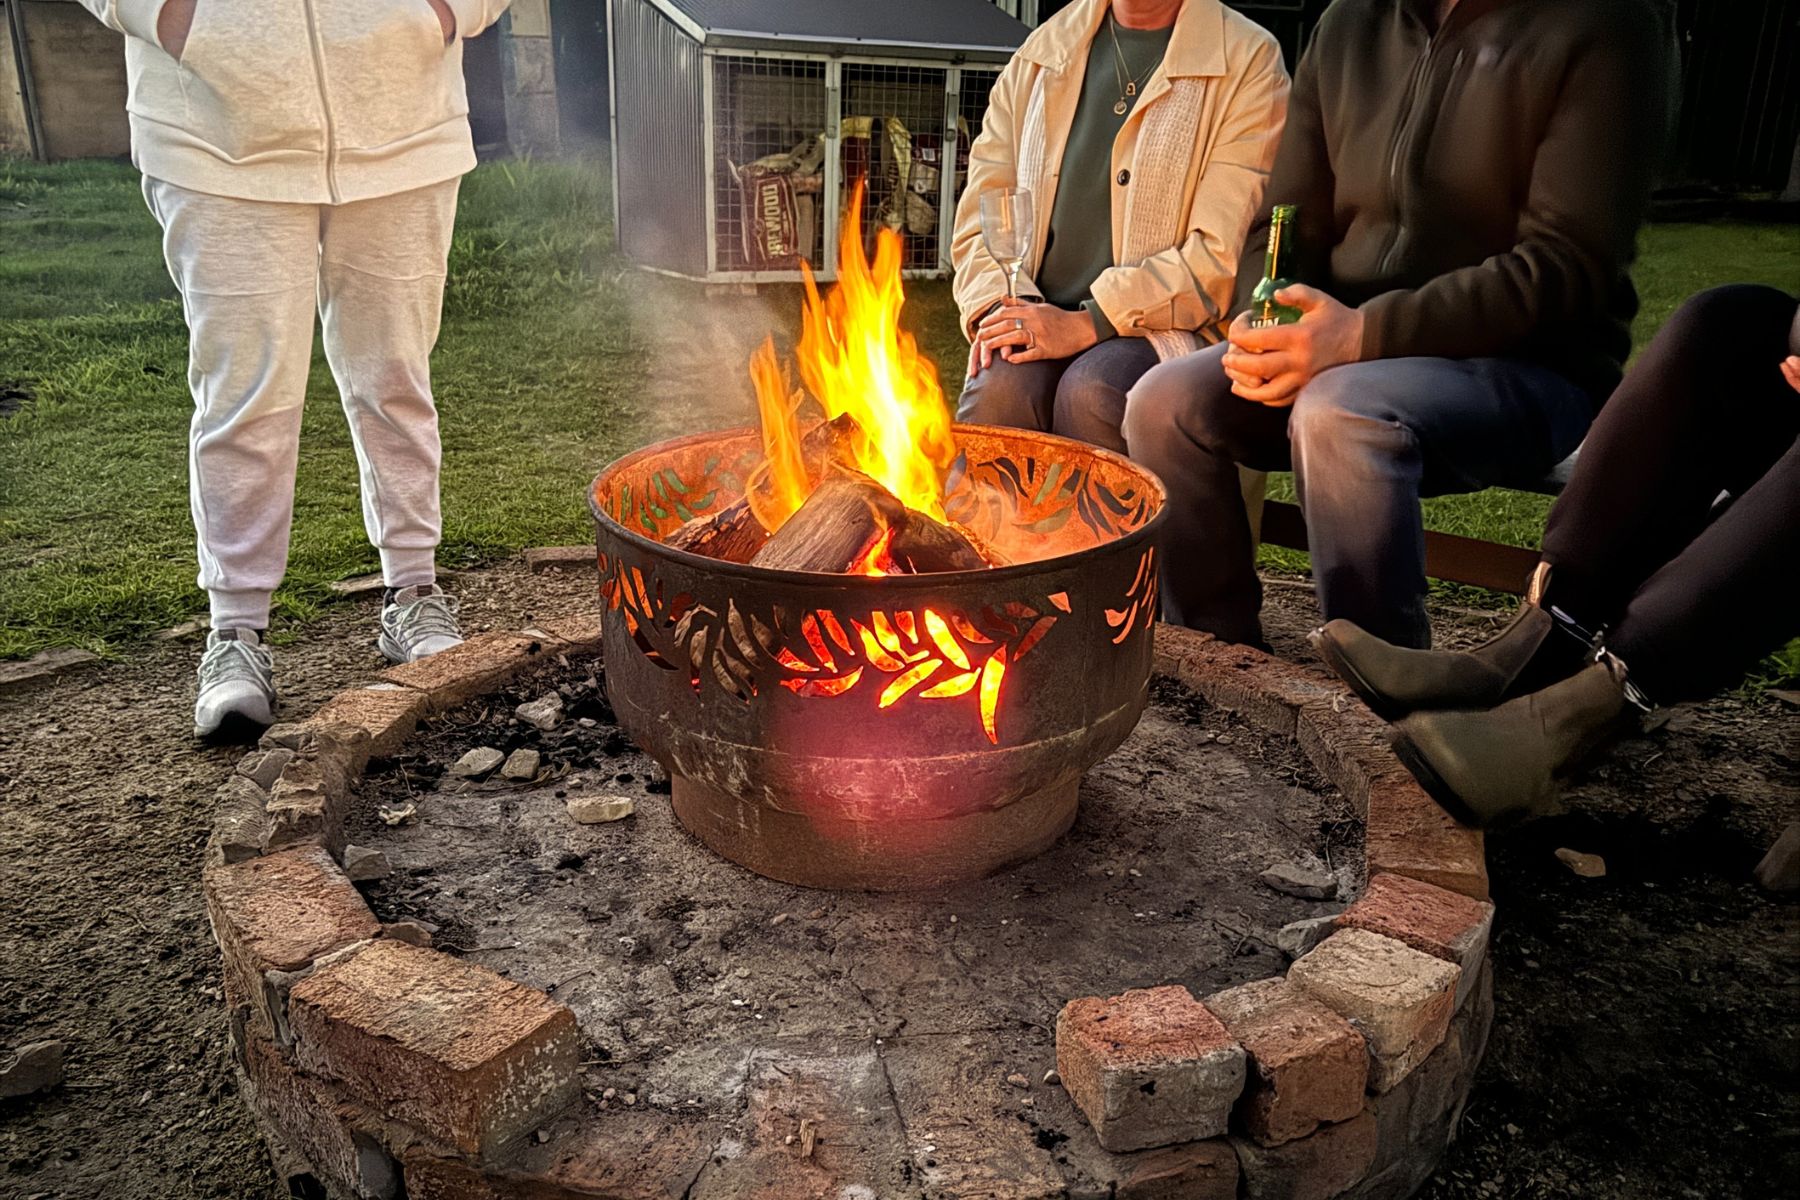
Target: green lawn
[(555, 356)]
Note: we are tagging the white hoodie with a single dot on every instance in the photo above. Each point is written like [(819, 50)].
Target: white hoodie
[(303, 101)]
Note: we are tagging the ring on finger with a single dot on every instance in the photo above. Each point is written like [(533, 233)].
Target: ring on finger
[(1018, 324)]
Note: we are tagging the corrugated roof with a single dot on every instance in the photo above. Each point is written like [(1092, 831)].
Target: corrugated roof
[(953, 24)]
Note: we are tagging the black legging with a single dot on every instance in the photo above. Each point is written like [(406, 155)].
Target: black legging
[(1693, 598)]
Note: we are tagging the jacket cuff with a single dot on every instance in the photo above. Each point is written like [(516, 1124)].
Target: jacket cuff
[(137, 18), (1103, 327), (1380, 314)]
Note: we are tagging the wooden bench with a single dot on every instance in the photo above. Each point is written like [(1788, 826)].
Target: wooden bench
[(1491, 565)]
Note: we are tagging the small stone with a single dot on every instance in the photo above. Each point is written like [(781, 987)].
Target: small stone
[(546, 712), (1588, 866), (1779, 870), (630, 1099), (1051, 1078), (34, 1067), (1307, 883), (406, 814), (521, 765), (364, 865), (477, 762), (1018, 1080), (598, 810), (543, 1135), (413, 933), (1299, 937), (610, 1094), (778, 919)]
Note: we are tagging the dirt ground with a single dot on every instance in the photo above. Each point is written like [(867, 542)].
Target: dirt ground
[(1645, 1041)]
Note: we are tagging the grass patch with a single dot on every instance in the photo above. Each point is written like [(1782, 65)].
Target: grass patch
[(555, 357)]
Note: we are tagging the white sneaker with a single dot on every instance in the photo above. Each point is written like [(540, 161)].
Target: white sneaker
[(417, 623), (237, 684)]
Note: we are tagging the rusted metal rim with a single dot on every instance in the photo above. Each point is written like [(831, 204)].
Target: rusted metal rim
[(886, 584)]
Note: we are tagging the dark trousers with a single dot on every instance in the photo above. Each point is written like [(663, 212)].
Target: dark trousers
[(1081, 397), (1365, 441), (1694, 596)]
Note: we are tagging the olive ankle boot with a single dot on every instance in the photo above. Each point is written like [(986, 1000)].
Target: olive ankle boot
[(1395, 680), (1501, 767)]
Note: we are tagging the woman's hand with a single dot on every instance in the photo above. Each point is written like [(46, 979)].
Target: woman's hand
[(446, 18), (172, 26), (1029, 331), (1790, 371)]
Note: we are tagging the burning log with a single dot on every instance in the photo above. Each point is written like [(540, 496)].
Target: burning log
[(733, 534), (851, 523)]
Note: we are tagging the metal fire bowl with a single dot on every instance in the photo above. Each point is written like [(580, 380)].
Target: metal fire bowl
[(830, 730)]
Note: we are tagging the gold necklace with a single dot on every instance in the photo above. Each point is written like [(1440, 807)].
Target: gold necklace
[(1122, 69)]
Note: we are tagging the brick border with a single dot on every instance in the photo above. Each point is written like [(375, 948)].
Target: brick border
[(1344, 1078)]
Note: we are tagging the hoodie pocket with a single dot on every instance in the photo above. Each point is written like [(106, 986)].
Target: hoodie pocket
[(248, 80), (388, 74)]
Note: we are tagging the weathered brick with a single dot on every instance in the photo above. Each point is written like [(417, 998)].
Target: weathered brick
[(1196, 1171), (1324, 1164), (558, 558), (446, 1046), (1416, 1121), (1308, 1065), (305, 809), (1173, 644), (1239, 678), (580, 633), (342, 751), (1149, 1067), (240, 823), (281, 912), (480, 664), (387, 713), (1400, 998), (1347, 744), (1443, 924), (263, 766), (1406, 833), (337, 1139)]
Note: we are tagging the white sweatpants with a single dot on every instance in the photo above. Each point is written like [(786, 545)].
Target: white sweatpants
[(250, 274)]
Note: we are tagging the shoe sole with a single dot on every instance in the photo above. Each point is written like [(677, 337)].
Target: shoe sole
[(1433, 783), (234, 729), (1378, 704)]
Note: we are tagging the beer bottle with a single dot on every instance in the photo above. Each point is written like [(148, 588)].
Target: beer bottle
[(1264, 311)]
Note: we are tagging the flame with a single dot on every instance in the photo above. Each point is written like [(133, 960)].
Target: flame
[(854, 358)]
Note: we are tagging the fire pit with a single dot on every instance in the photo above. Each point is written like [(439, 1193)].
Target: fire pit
[(879, 652), (890, 731)]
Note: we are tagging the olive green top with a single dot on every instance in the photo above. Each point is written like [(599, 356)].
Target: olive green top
[(1079, 242)]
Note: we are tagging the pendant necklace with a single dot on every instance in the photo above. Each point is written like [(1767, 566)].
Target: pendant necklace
[(1127, 82)]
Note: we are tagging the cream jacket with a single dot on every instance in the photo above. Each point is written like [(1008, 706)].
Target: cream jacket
[(306, 101), (1198, 146)]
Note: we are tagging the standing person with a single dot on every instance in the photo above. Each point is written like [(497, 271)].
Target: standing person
[(301, 156), (1144, 131), (1670, 595), (1470, 178)]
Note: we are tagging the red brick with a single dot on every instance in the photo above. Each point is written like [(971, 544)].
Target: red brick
[(1238, 678), (388, 714), (1326, 1163), (557, 558), (1196, 1171), (1406, 833), (1347, 744), (240, 821), (578, 633), (280, 912), (337, 1139), (1149, 1067), (1443, 924), (449, 1047), (480, 664), (1399, 998), (304, 809), (1308, 1065)]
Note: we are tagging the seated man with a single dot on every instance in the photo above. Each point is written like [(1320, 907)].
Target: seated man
[(1470, 179), (1668, 598), (1144, 131)]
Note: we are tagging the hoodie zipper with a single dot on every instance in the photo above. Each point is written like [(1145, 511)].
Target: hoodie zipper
[(318, 57), (1401, 128)]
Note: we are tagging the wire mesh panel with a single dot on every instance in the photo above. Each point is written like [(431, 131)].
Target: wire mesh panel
[(768, 145), (976, 84), (893, 143)]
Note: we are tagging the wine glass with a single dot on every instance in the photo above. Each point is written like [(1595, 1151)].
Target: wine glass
[(1006, 230)]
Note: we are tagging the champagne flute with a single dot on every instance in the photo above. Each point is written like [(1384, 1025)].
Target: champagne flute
[(1006, 230)]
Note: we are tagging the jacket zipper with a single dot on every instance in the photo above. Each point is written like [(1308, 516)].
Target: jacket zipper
[(318, 57), (1401, 127)]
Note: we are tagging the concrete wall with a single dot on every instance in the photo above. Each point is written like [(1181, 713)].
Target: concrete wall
[(77, 77), (528, 65), (15, 129)]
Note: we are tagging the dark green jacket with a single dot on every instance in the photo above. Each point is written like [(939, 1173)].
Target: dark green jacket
[(1477, 191)]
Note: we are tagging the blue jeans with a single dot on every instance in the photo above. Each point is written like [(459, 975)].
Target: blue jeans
[(1080, 397), (1365, 442)]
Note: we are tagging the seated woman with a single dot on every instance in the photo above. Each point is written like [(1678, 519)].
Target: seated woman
[(1144, 131), (1666, 571)]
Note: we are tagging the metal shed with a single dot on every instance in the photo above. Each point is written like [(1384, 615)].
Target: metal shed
[(739, 127)]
